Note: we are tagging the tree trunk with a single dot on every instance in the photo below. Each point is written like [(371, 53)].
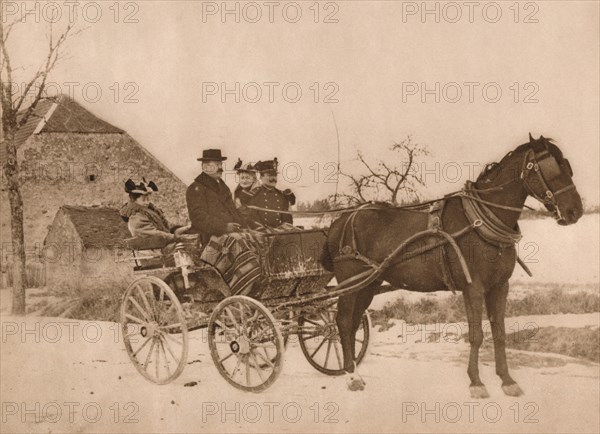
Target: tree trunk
[(16, 225)]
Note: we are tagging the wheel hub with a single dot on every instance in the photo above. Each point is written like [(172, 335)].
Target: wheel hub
[(331, 331), (242, 345), (150, 329)]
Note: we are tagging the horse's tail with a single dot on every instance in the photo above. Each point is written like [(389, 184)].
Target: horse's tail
[(326, 258)]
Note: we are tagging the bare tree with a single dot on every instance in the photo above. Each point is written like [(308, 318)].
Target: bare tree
[(396, 180), (17, 108)]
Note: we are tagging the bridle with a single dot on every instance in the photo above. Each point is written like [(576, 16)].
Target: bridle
[(544, 167)]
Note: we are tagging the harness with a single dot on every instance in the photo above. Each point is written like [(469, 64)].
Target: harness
[(477, 211)]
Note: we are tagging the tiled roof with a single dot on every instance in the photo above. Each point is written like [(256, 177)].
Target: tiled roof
[(97, 226), (63, 115), (41, 110), (70, 117)]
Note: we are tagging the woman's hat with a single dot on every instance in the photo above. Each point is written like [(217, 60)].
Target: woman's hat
[(244, 167), (141, 188), (212, 155)]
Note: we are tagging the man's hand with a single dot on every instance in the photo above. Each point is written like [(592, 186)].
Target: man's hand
[(233, 227), (182, 230)]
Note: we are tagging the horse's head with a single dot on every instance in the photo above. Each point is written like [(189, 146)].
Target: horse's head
[(547, 176)]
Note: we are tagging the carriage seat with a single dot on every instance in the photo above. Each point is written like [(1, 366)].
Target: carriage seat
[(144, 243), (147, 252)]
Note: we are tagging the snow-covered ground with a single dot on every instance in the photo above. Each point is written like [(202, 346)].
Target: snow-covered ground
[(60, 375), (74, 376)]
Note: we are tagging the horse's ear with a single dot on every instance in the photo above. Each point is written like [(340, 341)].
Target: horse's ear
[(531, 140), (542, 138)]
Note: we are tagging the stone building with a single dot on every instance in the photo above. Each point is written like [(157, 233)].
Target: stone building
[(83, 248), (69, 156)]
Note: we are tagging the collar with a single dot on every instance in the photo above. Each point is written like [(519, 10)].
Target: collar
[(209, 181)]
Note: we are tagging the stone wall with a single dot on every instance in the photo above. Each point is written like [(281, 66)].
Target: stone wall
[(68, 264), (84, 169)]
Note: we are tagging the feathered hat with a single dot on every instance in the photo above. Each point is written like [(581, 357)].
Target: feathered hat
[(141, 188), (244, 167)]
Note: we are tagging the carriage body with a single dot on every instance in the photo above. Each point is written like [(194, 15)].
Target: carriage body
[(193, 295)]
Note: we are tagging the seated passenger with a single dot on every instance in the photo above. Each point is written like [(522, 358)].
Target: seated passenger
[(143, 218), (267, 196), (227, 243), (248, 182)]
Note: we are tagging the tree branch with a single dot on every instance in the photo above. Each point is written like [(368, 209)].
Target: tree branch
[(50, 63)]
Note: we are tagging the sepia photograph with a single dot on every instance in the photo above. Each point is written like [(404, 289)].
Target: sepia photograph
[(309, 216)]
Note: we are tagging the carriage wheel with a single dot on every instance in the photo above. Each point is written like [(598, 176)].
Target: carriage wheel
[(154, 330), (320, 341), (245, 343)]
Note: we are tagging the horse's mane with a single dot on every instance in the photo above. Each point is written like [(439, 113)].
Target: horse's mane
[(518, 150)]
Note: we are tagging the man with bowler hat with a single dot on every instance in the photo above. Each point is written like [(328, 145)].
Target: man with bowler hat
[(214, 216), (210, 205)]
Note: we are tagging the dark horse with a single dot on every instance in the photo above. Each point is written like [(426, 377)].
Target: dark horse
[(364, 239)]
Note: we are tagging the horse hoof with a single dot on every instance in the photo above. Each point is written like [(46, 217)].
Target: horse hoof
[(356, 384), (479, 392), (512, 389)]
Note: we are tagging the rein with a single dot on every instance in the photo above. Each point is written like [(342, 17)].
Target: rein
[(491, 228)]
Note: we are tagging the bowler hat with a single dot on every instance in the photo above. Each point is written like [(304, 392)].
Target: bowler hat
[(212, 155)]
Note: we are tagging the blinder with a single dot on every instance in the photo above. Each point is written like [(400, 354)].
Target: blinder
[(549, 168), (546, 168)]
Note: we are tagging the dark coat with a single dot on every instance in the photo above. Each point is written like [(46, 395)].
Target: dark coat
[(210, 207), (243, 196), (275, 199), (147, 222)]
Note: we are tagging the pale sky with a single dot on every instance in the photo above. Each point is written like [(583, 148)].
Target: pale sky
[(377, 58)]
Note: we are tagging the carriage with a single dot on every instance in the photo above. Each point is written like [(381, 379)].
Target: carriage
[(247, 336), (175, 294)]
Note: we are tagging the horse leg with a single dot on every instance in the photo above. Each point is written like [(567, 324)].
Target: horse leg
[(363, 300), (495, 302), (344, 320), (473, 297)]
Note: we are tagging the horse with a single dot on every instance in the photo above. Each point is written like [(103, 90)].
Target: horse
[(476, 255)]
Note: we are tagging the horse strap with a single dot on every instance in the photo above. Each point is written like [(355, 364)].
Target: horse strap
[(435, 224), (435, 215), (524, 266), (489, 226)]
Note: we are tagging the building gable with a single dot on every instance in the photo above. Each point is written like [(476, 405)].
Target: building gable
[(97, 226), (62, 115)]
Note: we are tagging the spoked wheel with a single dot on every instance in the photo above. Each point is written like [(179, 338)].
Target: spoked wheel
[(245, 343), (320, 341), (154, 330)]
